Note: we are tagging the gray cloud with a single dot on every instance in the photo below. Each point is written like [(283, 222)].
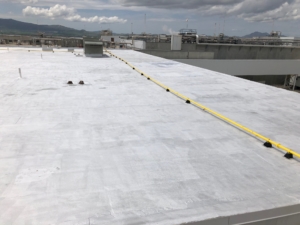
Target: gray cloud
[(249, 10), (258, 6), (176, 4)]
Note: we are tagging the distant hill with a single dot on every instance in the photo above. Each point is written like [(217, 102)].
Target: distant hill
[(9, 26), (256, 34)]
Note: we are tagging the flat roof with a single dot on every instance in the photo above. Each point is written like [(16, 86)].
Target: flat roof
[(122, 150)]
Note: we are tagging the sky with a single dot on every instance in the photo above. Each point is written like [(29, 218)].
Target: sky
[(232, 17)]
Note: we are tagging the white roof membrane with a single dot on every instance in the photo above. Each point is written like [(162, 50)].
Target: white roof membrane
[(121, 150)]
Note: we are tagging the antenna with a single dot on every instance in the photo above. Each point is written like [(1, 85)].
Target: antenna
[(145, 23), (215, 29)]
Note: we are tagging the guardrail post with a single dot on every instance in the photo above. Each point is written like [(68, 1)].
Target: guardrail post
[(295, 81)]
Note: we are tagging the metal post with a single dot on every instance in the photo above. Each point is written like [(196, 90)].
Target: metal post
[(286, 80), (20, 72), (295, 81)]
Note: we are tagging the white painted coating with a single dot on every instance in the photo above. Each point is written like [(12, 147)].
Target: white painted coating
[(121, 150)]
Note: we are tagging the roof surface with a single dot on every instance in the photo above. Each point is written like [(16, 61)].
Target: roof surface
[(121, 150)]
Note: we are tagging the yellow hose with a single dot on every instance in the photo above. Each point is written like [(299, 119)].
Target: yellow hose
[(220, 116)]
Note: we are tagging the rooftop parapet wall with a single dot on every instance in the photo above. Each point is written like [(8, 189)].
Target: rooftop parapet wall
[(180, 54), (227, 51)]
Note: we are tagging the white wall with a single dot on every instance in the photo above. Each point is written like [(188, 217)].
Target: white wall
[(108, 38), (176, 41), (139, 44)]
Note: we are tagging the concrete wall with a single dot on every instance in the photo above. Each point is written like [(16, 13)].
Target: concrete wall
[(250, 52), (222, 51), (180, 54), (247, 67), (189, 47), (271, 72), (280, 216), (266, 79), (138, 44), (160, 46)]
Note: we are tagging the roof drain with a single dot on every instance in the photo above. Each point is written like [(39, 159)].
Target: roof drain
[(81, 82), (70, 82)]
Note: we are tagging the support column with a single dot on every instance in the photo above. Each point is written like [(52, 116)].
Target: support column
[(295, 81)]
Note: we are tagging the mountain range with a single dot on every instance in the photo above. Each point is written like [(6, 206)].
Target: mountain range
[(10, 26), (256, 34)]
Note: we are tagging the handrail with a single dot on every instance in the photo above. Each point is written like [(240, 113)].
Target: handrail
[(290, 152)]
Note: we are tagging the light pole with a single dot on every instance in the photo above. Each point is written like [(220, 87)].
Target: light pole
[(2, 38), (131, 28)]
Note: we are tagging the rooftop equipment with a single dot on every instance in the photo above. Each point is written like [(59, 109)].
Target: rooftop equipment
[(93, 48), (176, 41)]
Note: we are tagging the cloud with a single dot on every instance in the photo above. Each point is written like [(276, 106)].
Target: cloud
[(29, 1), (68, 13), (53, 12), (25, 2), (162, 19), (283, 13), (176, 4), (266, 11), (249, 10)]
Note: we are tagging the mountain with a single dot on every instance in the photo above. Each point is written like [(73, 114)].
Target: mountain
[(256, 34), (9, 26)]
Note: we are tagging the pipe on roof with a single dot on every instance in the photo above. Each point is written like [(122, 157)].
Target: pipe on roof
[(289, 151)]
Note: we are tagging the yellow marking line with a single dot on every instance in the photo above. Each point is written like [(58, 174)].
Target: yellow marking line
[(220, 116)]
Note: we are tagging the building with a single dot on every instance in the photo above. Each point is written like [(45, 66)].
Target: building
[(40, 40)]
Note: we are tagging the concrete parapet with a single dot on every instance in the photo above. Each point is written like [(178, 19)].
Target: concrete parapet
[(232, 51), (180, 54)]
